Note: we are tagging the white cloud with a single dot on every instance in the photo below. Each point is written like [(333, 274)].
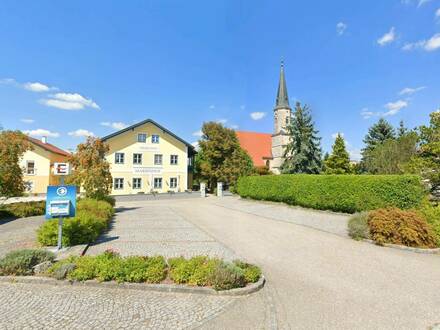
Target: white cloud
[(234, 126), (257, 115), (195, 144), (81, 133), (422, 2), (366, 113), (437, 13), (395, 107), (335, 135), (410, 91), (41, 132), (116, 125), (387, 38), (69, 101), (222, 121), (27, 120), (212, 106), (340, 28), (355, 154), (198, 133), (428, 45), (37, 87)]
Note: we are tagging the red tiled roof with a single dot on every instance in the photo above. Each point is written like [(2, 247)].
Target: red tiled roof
[(48, 147), (258, 146)]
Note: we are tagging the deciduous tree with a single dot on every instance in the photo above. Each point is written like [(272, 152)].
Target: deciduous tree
[(91, 170), (221, 157), (13, 144)]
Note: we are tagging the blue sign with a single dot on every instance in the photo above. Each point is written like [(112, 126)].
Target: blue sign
[(60, 201)]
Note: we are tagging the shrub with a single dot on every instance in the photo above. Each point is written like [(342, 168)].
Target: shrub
[(343, 193), (23, 209), (85, 269), (431, 213), (92, 218), (183, 270), (252, 273), (21, 262), (142, 269), (395, 226), (228, 276), (358, 226)]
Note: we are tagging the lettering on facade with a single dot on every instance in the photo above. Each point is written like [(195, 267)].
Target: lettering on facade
[(147, 170)]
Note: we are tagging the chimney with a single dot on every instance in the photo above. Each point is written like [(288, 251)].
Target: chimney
[(44, 139)]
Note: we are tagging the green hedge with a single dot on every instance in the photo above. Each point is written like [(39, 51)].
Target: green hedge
[(341, 193), (22, 209), (92, 218)]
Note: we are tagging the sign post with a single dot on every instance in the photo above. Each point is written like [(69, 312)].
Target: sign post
[(202, 189), (60, 200), (219, 189)]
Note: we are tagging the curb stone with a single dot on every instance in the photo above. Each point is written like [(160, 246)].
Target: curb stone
[(251, 288), (405, 248)]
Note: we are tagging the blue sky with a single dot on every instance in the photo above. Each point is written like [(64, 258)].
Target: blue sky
[(76, 67)]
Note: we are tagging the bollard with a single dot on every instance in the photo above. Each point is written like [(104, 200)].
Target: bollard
[(202, 189), (219, 189)]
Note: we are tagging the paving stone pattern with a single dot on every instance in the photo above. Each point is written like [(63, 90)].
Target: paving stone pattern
[(19, 234), (40, 306), (153, 228)]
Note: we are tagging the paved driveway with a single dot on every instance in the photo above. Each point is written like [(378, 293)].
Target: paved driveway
[(316, 279), (19, 234)]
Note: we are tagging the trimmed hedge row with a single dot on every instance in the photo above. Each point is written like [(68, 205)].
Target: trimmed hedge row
[(341, 193), (22, 209), (92, 218)]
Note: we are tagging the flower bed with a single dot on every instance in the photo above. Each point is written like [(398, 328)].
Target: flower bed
[(110, 266)]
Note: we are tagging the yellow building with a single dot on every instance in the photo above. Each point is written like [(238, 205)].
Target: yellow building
[(146, 157), (37, 165)]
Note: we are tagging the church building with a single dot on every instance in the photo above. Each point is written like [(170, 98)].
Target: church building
[(268, 149)]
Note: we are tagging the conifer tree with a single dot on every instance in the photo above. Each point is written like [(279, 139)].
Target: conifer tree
[(303, 152), (377, 135), (339, 160)]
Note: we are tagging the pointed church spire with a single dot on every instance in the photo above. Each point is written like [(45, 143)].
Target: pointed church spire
[(282, 97)]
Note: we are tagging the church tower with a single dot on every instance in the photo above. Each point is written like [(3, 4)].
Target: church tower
[(282, 116)]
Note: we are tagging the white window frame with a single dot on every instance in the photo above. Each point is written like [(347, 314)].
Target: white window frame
[(176, 157), (155, 138), (171, 183), (140, 183), (116, 157), (161, 159), (115, 185), (27, 167), (144, 135), (158, 180), (134, 157)]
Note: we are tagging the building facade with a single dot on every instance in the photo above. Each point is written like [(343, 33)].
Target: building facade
[(146, 157), (37, 165), (268, 149)]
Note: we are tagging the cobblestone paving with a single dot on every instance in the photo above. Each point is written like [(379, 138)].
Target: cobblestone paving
[(39, 306), (19, 234), (153, 228)]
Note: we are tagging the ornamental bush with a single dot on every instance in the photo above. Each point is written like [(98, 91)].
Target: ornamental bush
[(21, 262), (341, 193), (92, 218), (431, 213), (23, 209), (358, 226), (391, 225)]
